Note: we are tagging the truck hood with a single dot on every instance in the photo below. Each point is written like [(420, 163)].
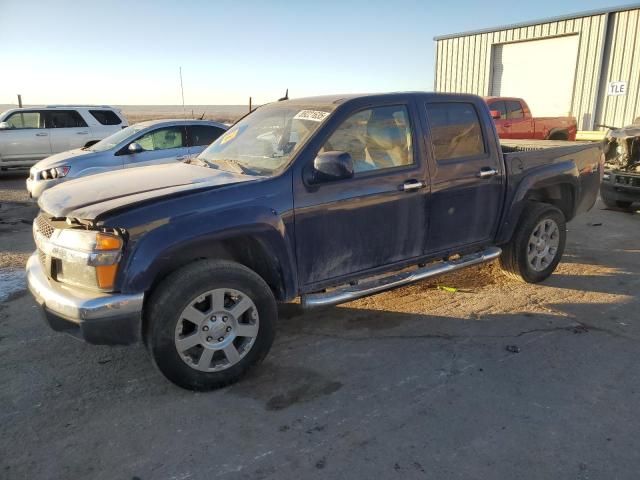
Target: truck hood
[(87, 198), (64, 158)]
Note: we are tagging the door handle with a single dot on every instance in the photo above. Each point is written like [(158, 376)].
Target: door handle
[(487, 172), (411, 185), (43, 134), (82, 133)]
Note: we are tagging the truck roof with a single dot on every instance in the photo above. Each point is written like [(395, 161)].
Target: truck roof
[(338, 99)]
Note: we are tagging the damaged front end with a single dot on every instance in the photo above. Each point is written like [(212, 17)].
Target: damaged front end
[(622, 148)]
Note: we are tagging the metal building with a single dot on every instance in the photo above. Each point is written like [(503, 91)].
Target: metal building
[(586, 65)]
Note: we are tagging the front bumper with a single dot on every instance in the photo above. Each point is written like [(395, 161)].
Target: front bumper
[(98, 318), (619, 191), (36, 187)]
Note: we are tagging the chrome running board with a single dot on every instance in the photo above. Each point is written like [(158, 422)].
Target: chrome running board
[(380, 284)]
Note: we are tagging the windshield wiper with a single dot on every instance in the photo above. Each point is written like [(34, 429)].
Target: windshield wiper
[(235, 165)]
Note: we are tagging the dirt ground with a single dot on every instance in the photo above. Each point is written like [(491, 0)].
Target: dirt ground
[(497, 380)]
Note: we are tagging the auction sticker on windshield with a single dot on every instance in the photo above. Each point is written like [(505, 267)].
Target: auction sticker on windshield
[(314, 115), (227, 137)]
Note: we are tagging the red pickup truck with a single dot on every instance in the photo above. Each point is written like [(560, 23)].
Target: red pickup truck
[(513, 119)]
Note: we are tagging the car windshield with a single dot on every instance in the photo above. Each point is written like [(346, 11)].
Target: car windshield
[(266, 140), (113, 140)]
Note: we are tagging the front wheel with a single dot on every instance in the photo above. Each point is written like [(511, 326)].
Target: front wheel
[(537, 244), (209, 323)]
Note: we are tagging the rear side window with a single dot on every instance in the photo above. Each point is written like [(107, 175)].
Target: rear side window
[(65, 119), (514, 110), (455, 130), (22, 120), (202, 135), (106, 117)]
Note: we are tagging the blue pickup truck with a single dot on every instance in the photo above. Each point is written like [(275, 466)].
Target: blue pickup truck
[(327, 199)]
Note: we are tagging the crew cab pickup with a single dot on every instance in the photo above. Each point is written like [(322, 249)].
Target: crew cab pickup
[(327, 199), (514, 120)]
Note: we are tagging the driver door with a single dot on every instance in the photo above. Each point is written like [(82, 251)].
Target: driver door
[(162, 145), (374, 219)]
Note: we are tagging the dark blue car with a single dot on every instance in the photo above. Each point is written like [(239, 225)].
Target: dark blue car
[(327, 199)]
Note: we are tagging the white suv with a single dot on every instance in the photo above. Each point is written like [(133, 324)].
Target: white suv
[(31, 134)]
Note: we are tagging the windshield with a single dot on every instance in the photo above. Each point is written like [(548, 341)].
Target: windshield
[(266, 140), (113, 140)]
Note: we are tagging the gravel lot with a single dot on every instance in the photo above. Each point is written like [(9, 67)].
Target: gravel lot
[(414, 383)]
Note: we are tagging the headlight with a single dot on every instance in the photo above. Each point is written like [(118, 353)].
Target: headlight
[(83, 257), (606, 176), (57, 172)]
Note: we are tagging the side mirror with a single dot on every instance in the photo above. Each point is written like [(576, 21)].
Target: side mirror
[(135, 147), (4, 126), (331, 166), (495, 114)]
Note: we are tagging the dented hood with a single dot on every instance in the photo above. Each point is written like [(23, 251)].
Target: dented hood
[(87, 198)]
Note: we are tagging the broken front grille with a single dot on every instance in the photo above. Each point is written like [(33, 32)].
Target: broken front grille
[(630, 181), (44, 226)]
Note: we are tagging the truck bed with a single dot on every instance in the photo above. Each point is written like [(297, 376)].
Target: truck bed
[(510, 146)]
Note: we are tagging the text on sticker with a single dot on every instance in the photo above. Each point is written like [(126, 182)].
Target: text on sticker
[(314, 115)]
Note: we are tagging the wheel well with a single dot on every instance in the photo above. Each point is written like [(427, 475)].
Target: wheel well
[(558, 135), (560, 196), (247, 251), (92, 142)]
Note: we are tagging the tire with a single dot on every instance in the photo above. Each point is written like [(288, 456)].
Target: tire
[(194, 336), (516, 261)]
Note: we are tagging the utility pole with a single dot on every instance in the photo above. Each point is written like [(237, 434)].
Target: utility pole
[(249, 104), (19, 101)]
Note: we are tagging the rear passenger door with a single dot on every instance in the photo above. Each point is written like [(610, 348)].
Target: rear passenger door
[(161, 145), (68, 130), (201, 136), (467, 179)]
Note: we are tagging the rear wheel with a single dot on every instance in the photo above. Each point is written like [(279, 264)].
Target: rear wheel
[(537, 244), (210, 323)]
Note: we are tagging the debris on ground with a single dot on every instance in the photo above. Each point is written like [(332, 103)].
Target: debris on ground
[(512, 349)]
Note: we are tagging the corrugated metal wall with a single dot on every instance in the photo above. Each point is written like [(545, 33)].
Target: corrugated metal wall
[(622, 63), (463, 63)]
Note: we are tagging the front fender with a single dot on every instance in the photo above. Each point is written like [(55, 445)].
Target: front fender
[(172, 243)]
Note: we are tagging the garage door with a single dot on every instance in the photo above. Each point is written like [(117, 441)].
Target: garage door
[(540, 71)]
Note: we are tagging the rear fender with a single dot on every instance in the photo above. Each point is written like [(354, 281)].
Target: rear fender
[(544, 184)]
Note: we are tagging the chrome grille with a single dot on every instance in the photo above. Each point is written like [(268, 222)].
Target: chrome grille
[(43, 226)]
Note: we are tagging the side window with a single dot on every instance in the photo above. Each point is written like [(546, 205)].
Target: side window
[(203, 135), (376, 138), (22, 120), (455, 130), (500, 107), (163, 139), (514, 110), (65, 119), (105, 117)]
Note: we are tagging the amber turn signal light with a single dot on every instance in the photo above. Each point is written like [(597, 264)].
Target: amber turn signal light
[(106, 275), (107, 242)]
